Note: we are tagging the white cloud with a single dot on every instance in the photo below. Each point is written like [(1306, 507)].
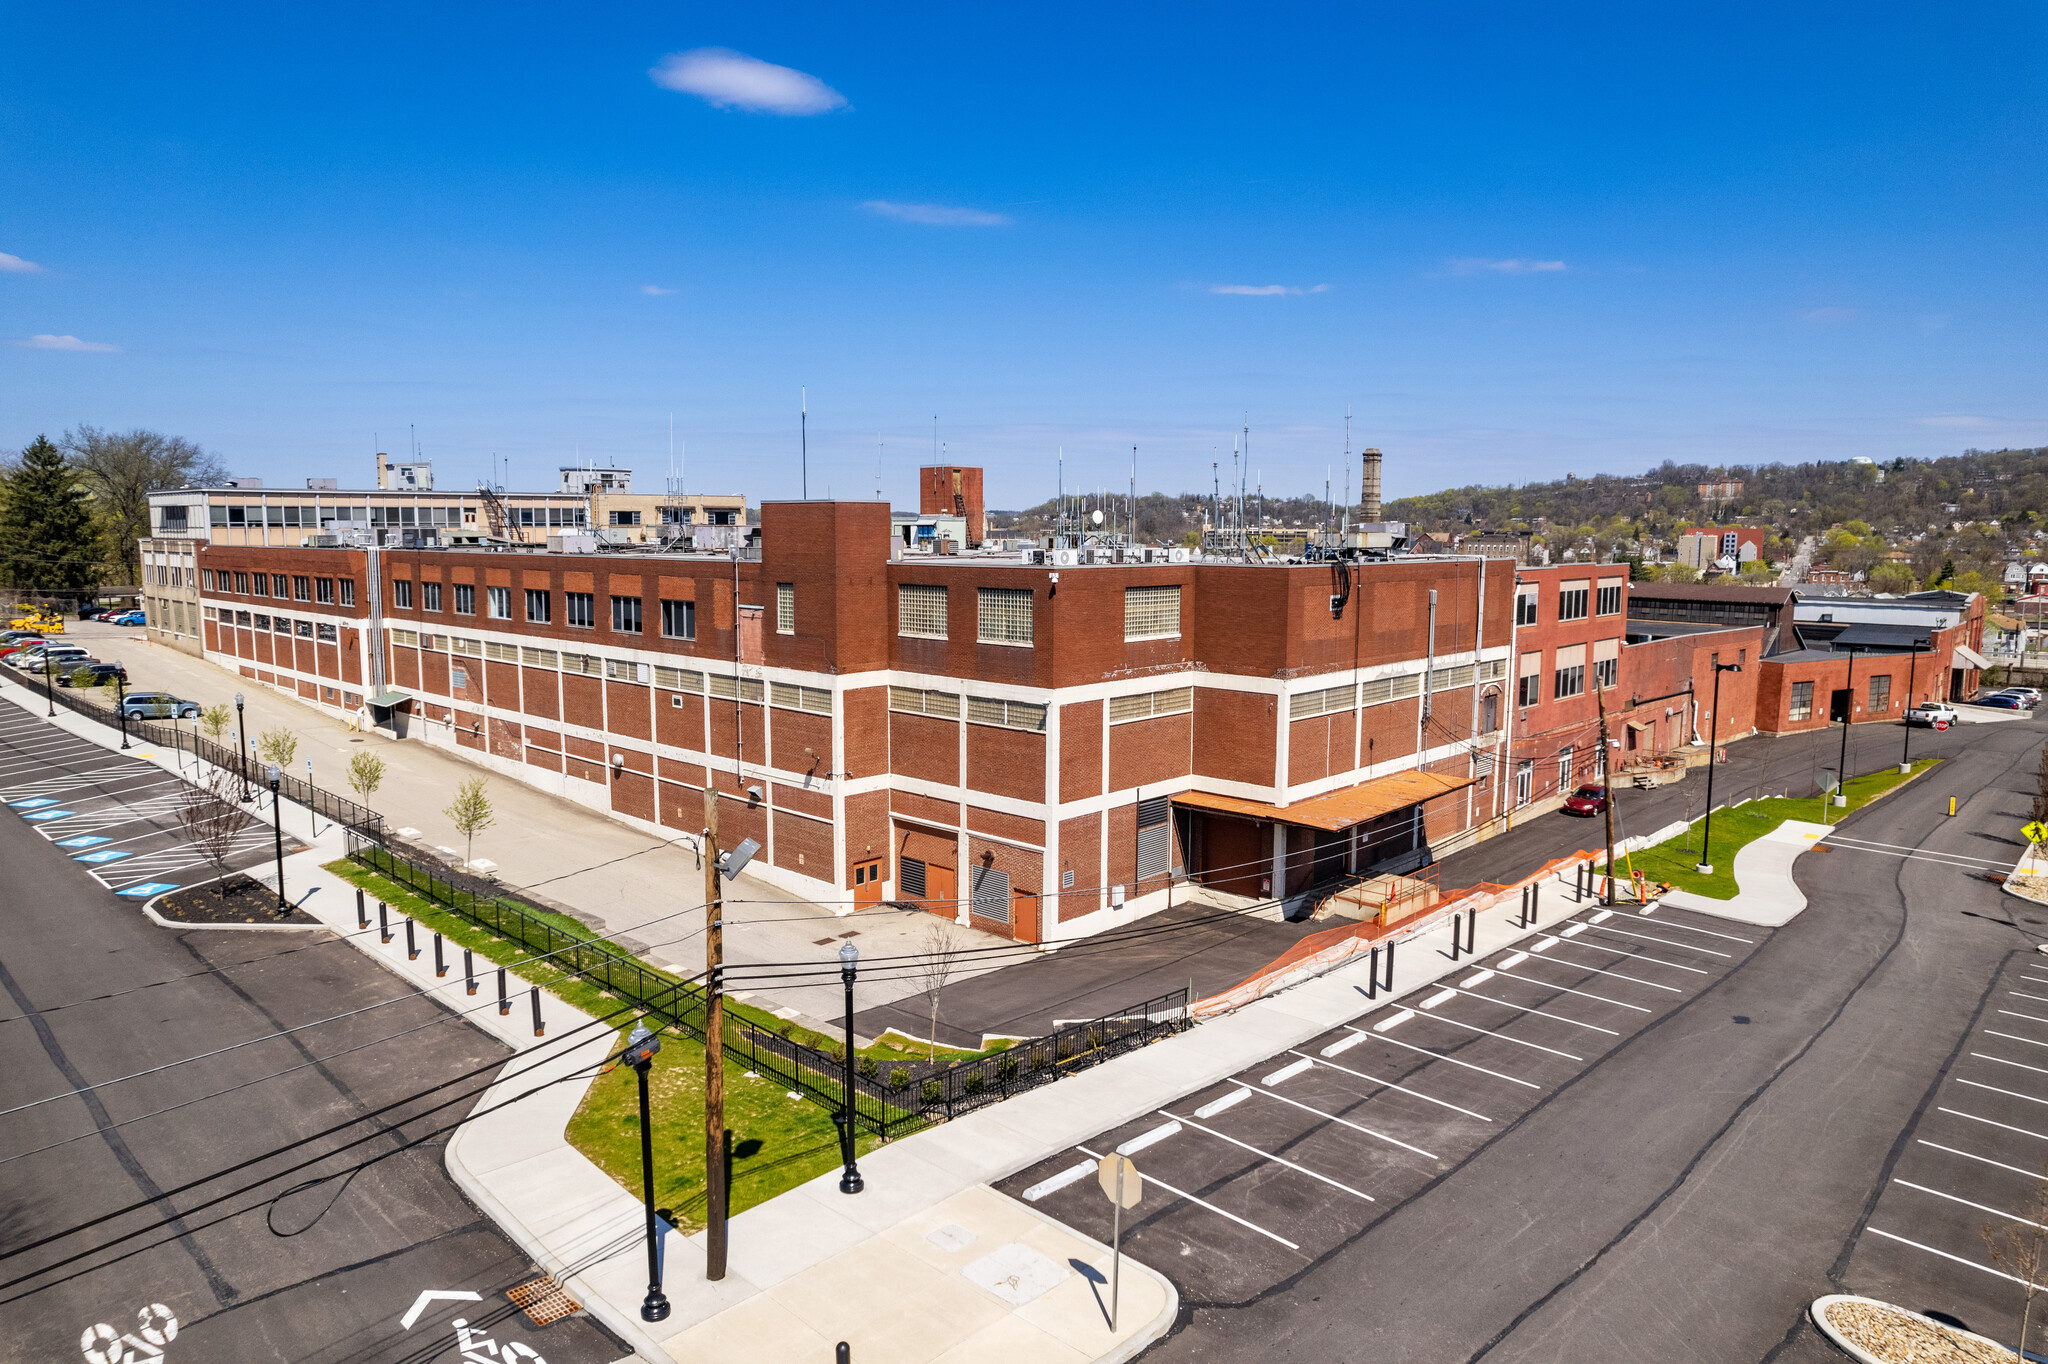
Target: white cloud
[(15, 265), (733, 80), (45, 341), (1826, 315), (1267, 290), (1517, 265), (1953, 421), (935, 215), (654, 290)]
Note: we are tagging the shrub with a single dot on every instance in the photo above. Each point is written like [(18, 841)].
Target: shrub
[(931, 1091), (974, 1083), (899, 1076), (1006, 1069), (869, 1067)]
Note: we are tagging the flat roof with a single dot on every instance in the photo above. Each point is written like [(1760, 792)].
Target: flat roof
[(1339, 809)]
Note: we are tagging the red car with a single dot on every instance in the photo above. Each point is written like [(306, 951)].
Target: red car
[(1587, 800)]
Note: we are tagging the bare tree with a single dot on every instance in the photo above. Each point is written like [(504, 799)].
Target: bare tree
[(938, 954), (365, 774), (212, 818), (2021, 1249), (121, 470), (471, 813)]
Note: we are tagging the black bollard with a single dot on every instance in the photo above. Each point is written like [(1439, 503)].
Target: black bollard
[(383, 921), (539, 1028), (440, 966), (504, 1000), (412, 944), (362, 914), (469, 969), (1372, 976)]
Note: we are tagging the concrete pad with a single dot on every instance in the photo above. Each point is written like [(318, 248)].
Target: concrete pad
[(761, 1328), (785, 1236), (1766, 893), (902, 1310), (1012, 1340)]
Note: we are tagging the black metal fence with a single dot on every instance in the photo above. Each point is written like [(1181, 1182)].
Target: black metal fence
[(167, 734), (890, 1099)]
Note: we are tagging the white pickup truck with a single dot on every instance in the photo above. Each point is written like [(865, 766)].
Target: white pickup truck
[(1932, 715)]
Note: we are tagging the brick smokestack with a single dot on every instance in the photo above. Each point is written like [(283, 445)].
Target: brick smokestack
[(1369, 488), (381, 459)]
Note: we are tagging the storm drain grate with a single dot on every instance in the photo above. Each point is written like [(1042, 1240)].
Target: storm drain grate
[(543, 1301)]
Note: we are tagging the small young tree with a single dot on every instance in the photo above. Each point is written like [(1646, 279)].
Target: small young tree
[(2021, 1250), (938, 954), (365, 774), (215, 720), (278, 746), (2041, 787), (212, 818), (471, 813)]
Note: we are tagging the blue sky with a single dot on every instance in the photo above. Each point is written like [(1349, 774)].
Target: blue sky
[(1515, 241)]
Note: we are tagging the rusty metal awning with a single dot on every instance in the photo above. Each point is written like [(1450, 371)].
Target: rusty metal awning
[(1339, 809)]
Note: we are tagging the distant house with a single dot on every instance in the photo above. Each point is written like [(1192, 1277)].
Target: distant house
[(1700, 546)]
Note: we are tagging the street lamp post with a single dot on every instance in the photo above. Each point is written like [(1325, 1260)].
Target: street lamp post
[(1705, 866), (641, 1045), (312, 813), (49, 684), (850, 1181), (242, 753), (1906, 740), (1848, 717), (277, 822), (121, 703)]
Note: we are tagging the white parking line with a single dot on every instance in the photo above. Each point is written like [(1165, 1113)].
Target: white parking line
[(1356, 1127), (1277, 1160), (1603, 971), (1534, 1046), (1566, 989), (1707, 932), (2021, 994), (1073, 1174), (1525, 1009), (2031, 1018), (1390, 1084), (1988, 1123), (1545, 944), (1664, 942), (1982, 1056), (2009, 1093), (1201, 1203), (2014, 1037), (1456, 1062), (1889, 1236), (1980, 1207), (2031, 1174)]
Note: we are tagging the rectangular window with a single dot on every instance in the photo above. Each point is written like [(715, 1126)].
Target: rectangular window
[(921, 611), (912, 701), (1571, 602), (625, 518), (790, 697), (278, 587), (241, 617), (676, 679), (626, 615), (281, 625), (1004, 615), (303, 628), (1802, 702), (406, 637), (1308, 704), (540, 606), (1025, 715), (1152, 612), (1146, 705), (580, 608), (1609, 603), (242, 585), (401, 594), (465, 599), (302, 587), (1569, 681), (1155, 838), (735, 688), (785, 608), (260, 586), (501, 602), (261, 621), (1880, 695), (1606, 671), (1528, 691), (679, 620), (619, 671), (458, 677), (330, 634), (323, 591), (430, 596), (348, 591), (206, 578), (539, 658), (1525, 608)]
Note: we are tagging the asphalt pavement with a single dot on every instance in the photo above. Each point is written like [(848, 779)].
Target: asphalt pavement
[(146, 1072), (1814, 1117)]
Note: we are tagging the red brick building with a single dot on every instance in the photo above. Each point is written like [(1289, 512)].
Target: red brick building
[(946, 490), (1037, 750)]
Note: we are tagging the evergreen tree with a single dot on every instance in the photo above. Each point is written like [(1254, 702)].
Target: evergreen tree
[(49, 539)]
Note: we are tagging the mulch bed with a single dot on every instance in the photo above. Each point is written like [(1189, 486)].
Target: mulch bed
[(246, 902), (1908, 1338)]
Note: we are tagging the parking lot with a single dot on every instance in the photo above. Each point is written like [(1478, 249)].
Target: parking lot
[(1249, 1182), (1974, 1161), (115, 816)]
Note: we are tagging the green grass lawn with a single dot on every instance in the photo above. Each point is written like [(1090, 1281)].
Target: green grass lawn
[(1674, 859)]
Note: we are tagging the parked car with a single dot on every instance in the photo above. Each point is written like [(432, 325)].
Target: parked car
[(93, 611), (126, 618), (2000, 701), (1932, 715), (1587, 800), (98, 674), (159, 705), (60, 655), (15, 636), (2026, 696)]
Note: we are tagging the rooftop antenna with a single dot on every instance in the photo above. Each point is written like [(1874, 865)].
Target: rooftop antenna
[(1215, 493), (1345, 523), (878, 466), (1131, 507), (1060, 497), (804, 420)]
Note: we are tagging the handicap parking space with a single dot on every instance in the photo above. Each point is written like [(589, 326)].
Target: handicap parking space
[(1250, 1181), (115, 815), (1971, 1177)]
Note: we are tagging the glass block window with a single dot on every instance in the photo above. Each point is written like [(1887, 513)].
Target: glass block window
[(1152, 612), (539, 658), (1307, 704), (1024, 715), (677, 679), (912, 701), (1004, 615), (921, 611), (785, 608), (1148, 704), (791, 697), (735, 688), (1802, 702), (582, 663), (619, 671)]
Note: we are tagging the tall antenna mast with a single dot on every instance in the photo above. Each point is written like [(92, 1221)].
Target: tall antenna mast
[(1131, 506), (1343, 524), (804, 429)]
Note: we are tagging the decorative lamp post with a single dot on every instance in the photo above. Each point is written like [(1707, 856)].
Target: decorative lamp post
[(121, 703), (49, 682), (1906, 740), (277, 822), (1705, 866), (1848, 718), (641, 1045), (850, 1181), (242, 753)]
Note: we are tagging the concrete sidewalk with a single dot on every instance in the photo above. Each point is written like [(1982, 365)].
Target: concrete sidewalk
[(1766, 894)]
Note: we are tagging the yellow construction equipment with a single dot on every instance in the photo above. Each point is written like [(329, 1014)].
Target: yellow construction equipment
[(40, 619)]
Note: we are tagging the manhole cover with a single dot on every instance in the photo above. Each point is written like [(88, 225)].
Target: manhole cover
[(543, 1301)]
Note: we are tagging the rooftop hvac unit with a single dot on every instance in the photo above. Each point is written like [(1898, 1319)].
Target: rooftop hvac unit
[(1177, 555), (1066, 558), (1034, 556)]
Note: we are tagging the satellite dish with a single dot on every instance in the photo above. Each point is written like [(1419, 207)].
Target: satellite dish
[(1096, 516)]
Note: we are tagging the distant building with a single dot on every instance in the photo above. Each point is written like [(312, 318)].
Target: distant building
[(1729, 491), (1497, 544), (955, 489), (1700, 546)]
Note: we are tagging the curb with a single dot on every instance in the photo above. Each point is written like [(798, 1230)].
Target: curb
[(149, 908), (1818, 1311)]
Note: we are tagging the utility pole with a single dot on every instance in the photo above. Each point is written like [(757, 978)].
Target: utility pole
[(714, 1049), (1606, 786)]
